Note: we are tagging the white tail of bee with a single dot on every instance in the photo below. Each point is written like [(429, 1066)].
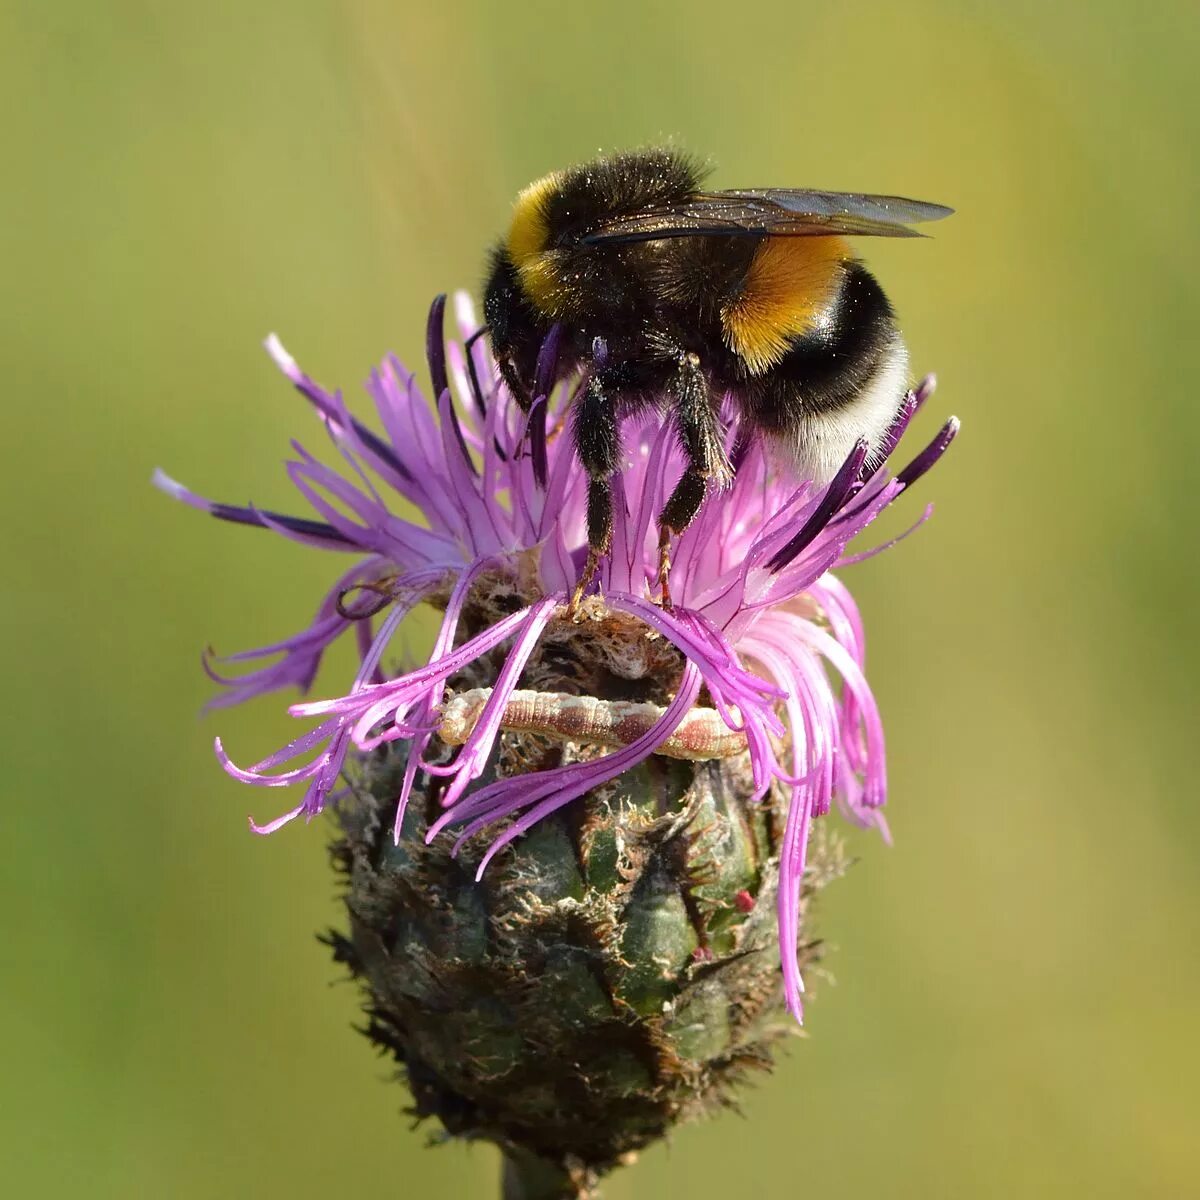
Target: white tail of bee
[(702, 734)]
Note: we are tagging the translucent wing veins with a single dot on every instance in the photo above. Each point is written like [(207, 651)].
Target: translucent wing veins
[(775, 212)]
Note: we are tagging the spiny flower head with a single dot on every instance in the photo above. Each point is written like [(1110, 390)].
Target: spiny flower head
[(768, 643)]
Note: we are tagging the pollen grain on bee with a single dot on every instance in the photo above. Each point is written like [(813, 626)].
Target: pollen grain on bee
[(701, 735)]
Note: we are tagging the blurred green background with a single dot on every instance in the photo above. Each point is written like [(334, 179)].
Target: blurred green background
[(1017, 980)]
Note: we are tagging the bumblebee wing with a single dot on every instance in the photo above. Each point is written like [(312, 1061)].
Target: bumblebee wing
[(774, 212)]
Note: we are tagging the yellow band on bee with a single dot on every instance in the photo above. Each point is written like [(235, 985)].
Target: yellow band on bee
[(789, 285), (527, 238)]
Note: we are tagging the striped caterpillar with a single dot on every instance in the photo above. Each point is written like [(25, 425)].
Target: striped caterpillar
[(702, 734)]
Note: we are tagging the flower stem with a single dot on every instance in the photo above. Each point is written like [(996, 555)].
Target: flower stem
[(527, 1177)]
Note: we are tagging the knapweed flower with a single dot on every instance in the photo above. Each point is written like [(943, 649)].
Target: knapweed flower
[(680, 752)]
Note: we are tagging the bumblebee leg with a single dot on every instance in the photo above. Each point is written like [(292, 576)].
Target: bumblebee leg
[(599, 527), (518, 390), (664, 565), (700, 435), (598, 446)]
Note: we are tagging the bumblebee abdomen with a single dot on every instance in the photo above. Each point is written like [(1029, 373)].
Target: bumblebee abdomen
[(788, 290), (840, 381), (829, 363)]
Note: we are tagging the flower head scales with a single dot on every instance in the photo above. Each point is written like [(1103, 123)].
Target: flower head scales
[(769, 643)]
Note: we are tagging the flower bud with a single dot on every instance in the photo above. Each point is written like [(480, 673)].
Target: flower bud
[(612, 973)]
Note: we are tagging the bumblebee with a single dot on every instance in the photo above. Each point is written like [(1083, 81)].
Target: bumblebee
[(666, 294)]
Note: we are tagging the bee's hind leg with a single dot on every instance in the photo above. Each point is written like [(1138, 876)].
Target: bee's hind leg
[(700, 436)]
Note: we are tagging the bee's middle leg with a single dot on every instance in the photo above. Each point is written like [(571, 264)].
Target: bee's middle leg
[(700, 435)]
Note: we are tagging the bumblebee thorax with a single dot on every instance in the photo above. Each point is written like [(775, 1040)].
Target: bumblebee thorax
[(528, 243)]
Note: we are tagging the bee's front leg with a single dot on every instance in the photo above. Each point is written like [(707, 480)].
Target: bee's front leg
[(598, 444)]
